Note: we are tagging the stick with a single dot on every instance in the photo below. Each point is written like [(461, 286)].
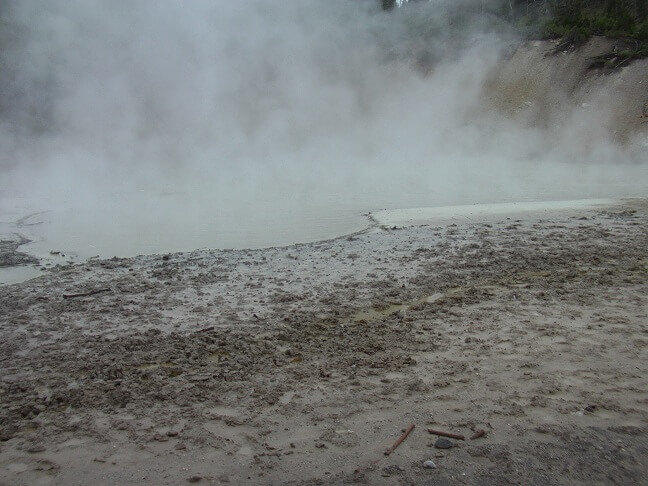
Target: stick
[(85, 294), (362, 469), (446, 434), (478, 434), (401, 439)]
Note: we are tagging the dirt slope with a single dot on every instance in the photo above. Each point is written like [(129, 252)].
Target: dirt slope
[(558, 90)]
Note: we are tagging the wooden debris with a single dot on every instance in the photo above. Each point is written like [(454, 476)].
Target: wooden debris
[(446, 434), (407, 431), (478, 433), (400, 440)]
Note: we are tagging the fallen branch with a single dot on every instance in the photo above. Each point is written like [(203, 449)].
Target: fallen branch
[(446, 434), (362, 469), (400, 440), (85, 294), (479, 433)]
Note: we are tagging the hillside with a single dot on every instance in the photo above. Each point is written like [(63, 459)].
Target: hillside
[(569, 91)]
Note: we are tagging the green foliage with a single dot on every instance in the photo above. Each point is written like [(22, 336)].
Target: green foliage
[(388, 4), (573, 21), (531, 27), (642, 31), (553, 29), (578, 19), (577, 36), (567, 12), (602, 23)]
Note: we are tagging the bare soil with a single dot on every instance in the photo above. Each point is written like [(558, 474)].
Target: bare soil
[(301, 365)]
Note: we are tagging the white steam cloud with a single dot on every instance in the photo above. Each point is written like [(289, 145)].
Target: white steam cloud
[(244, 110)]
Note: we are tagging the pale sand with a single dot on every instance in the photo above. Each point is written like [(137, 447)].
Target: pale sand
[(299, 365), (476, 213)]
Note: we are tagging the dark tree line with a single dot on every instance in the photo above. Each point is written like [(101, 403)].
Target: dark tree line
[(556, 18)]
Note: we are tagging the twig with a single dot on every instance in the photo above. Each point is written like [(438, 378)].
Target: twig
[(479, 433), (446, 434), (362, 469), (85, 294), (401, 439)]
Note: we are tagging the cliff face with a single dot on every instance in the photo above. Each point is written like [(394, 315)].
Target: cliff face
[(560, 91)]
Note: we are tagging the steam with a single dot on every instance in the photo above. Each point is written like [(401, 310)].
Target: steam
[(263, 106)]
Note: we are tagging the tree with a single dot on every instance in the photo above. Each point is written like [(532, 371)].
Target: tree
[(388, 4)]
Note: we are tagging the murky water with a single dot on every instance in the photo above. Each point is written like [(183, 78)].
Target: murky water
[(19, 274), (130, 224)]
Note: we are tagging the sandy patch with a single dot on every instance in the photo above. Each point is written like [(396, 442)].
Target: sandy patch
[(301, 365)]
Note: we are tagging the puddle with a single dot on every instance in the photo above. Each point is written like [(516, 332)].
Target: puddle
[(12, 275), (146, 222)]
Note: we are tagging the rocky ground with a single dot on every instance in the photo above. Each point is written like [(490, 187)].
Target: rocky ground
[(301, 365), (9, 254)]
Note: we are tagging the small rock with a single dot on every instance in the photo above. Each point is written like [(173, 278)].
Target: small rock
[(194, 479), (443, 443), (429, 464)]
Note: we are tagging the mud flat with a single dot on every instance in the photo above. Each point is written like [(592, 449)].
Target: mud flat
[(301, 365)]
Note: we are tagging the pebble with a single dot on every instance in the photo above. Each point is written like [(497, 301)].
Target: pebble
[(443, 443), (429, 464)]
